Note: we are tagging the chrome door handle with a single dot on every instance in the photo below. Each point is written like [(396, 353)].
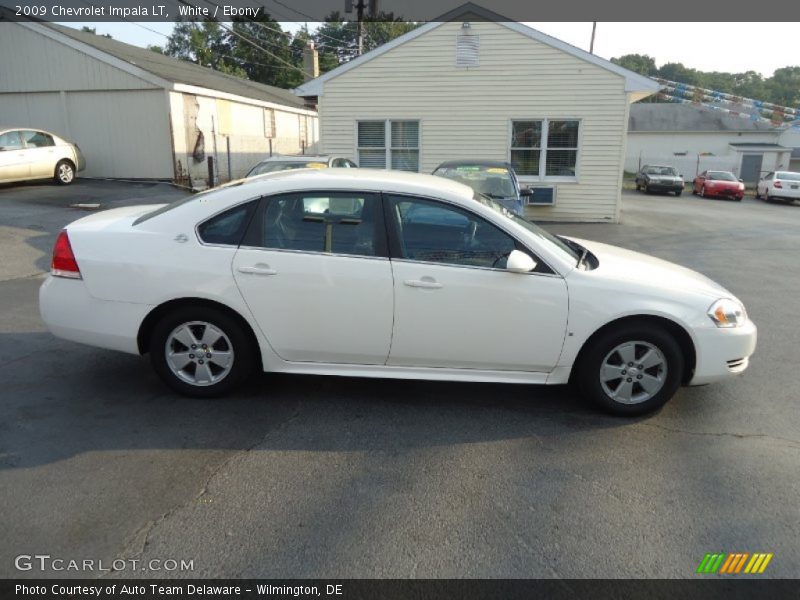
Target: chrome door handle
[(428, 284), (264, 270)]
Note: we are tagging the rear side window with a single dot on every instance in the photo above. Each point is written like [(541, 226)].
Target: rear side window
[(37, 139), (330, 222), (227, 228)]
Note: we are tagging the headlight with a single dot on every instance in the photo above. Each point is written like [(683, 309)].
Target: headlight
[(727, 313)]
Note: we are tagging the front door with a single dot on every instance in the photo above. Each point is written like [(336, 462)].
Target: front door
[(13, 164), (455, 304), (314, 271), (751, 167)]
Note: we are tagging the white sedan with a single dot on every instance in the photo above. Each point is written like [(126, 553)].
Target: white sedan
[(27, 154), (780, 185), (385, 274)]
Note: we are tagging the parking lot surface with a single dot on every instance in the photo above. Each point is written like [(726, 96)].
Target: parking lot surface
[(335, 477)]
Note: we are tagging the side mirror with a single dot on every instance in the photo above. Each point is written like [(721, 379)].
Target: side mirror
[(526, 193), (519, 262), (741, 180)]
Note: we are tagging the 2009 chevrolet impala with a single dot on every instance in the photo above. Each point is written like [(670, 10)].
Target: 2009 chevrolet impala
[(385, 274)]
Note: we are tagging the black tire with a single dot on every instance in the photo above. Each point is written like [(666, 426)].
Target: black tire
[(64, 173), (678, 192), (591, 361), (243, 352), (756, 195), (645, 189)]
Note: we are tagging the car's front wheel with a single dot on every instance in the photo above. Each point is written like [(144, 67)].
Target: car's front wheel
[(65, 173), (201, 351), (631, 370)]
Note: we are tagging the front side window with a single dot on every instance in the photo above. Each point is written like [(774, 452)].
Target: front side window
[(227, 228), (435, 232), (545, 148), (338, 223), (392, 144), (37, 139), (10, 140)]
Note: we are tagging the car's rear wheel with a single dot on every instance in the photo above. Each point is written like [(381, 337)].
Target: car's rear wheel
[(201, 351), (64, 173), (678, 192), (631, 370)]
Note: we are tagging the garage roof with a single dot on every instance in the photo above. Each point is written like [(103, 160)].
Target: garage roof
[(180, 71), (668, 117)]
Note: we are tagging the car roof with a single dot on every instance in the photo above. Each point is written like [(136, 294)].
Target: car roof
[(297, 158), (480, 162), (361, 179)]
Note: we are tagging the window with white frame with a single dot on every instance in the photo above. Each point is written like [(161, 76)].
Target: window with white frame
[(388, 143), (545, 148)]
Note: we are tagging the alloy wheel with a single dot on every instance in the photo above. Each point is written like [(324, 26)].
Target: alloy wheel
[(199, 353), (633, 372)]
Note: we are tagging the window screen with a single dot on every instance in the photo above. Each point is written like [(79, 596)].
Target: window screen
[(403, 151)]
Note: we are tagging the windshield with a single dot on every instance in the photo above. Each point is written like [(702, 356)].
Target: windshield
[(285, 165), (173, 205), (660, 171), (556, 244), (721, 176), (495, 182), (786, 176)]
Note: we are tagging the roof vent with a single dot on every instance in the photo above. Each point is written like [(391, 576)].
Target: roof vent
[(467, 48)]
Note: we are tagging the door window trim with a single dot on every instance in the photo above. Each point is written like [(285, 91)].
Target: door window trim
[(395, 248), (254, 231)]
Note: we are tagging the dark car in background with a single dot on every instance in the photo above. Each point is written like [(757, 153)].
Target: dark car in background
[(718, 184), (659, 178), (493, 178)]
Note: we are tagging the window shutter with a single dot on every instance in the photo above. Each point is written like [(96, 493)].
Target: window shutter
[(269, 123), (467, 50), (371, 134)]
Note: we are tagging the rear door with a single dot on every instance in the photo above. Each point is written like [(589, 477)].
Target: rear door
[(315, 273), (40, 153), (13, 163)]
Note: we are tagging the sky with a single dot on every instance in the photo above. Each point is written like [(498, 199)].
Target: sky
[(778, 44)]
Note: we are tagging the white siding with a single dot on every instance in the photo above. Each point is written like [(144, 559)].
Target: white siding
[(32, 62), (466, 113), (237, 124)]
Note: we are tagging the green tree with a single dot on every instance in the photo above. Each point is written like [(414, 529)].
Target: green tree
[(638, 63), (206, 44), (269, 58), (784, 87)]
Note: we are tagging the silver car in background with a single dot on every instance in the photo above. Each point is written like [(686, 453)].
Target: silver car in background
[(27, 154), (289, 162)]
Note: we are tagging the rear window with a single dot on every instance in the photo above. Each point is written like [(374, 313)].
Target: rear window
[(787, 176), (285, 165)]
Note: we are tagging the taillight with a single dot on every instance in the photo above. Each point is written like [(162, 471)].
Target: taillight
[(64, 263), (778, 185)]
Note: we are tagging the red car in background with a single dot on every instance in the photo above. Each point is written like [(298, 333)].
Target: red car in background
[(718, 184)]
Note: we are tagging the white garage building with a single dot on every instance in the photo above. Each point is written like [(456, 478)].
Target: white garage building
[(137, 114)]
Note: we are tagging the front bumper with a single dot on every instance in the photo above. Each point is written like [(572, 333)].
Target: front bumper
[(665, 187), (722, 353), (736, 194), (71, 313)]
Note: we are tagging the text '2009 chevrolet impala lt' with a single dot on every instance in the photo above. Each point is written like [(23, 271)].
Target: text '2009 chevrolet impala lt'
[(385, 274)]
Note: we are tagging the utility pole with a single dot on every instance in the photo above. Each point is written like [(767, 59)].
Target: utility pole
[(360, 12), (591, 45)]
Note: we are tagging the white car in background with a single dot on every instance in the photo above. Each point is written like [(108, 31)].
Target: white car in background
[(779, 185), (385, 274), (27, 154)]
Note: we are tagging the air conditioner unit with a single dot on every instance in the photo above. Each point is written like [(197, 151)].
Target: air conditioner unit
[(542, 195)]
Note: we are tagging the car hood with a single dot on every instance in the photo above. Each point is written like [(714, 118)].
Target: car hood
[(647, 271)]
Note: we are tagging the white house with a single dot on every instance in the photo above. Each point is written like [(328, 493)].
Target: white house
[(694, 139), (142, 115), (468, 87)]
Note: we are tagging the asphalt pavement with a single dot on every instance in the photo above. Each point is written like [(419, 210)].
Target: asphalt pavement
[(334, 477)]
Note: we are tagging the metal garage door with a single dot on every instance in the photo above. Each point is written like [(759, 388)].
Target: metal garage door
[(751, 167)]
